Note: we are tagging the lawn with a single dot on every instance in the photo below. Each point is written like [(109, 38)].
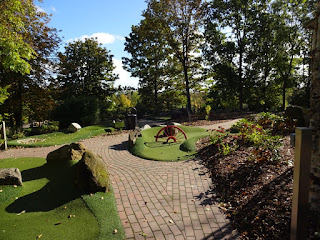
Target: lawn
[(146, 146), (48, 206), (59, 138)]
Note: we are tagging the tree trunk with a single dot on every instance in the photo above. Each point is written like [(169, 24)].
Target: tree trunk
[(19, 108), (186, 78), (284, 87), (314, 197)]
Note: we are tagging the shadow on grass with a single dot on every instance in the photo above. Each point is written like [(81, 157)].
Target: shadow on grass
[(160, 144), (58, 191)]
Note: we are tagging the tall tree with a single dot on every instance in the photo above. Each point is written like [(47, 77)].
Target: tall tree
[(148, 52), (292, 39), (260, 44), (314, 196), (15, 49), (232, 49), (183, 33), (86, 68), (152, 60), (44, 41)]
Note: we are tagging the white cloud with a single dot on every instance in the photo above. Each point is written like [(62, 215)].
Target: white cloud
[(40, 9), (124, 76), (103, 38), (50, 10)]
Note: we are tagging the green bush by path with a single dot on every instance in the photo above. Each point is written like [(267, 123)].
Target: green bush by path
[(147, 147), (59, 138), (48, 205)]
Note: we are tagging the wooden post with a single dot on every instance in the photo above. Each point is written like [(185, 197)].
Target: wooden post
[(301, 178), (4, 135)]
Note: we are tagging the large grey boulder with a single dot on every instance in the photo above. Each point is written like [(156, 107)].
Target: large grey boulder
[(74, 127), (10, 176), (74, 151), (92, 175)]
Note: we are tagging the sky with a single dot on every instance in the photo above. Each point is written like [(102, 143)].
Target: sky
[(108, 20)]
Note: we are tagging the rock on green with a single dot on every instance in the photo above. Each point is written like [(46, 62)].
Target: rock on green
[(92, 173), (74, 151)]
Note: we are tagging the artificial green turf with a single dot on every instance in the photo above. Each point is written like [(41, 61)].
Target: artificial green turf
[(47, 199), (146, 146), (59, 138)]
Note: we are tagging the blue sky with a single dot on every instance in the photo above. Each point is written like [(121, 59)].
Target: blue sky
[(108, 20)]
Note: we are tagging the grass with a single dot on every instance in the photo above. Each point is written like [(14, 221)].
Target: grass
[(49, 206), (146, 146), (59, 138)]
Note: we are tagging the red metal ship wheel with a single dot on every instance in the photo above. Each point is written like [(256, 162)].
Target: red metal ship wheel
[(171, 132)]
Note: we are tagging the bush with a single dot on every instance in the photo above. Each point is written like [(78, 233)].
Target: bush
[(84, 110), (264, 147), (50, 127), (276, 124)]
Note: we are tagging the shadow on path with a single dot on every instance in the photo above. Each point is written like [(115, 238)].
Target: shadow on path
[(120, 147)]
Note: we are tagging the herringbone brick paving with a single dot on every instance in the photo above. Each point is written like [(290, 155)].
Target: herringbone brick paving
[(155, 200)]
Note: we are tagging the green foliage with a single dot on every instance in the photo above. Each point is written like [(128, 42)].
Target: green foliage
[(86, 68), (208, 109), (15, 50), (82, 110), (163, 48), (256, 63), (225, 142), (245, 133), (49, 127), (275, 124), (25, 61)]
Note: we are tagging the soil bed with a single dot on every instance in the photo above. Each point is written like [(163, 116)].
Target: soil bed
[(256, 197)]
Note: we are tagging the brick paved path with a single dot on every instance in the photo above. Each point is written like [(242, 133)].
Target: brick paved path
[(155, 200)]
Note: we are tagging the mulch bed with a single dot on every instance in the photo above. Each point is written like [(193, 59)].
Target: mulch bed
[(256, 197)]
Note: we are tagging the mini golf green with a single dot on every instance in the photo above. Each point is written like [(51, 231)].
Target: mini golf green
[(147, 147), (59, 138), (48, 206)]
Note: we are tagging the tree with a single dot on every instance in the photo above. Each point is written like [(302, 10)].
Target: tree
[(255, 46), (153, 61), (183, 21), (86, 68), (147, 53), (292, 39), (314, 196), (15, 49), (44, 42), (229, 52)]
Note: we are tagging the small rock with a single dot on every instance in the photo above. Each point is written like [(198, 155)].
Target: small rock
[(74, 127), (145, 127), (10, 176)]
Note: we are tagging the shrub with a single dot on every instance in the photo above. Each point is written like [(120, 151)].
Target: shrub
[(275, 124), (264, 146), (225, 142), (50, 127), (84, 110)]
